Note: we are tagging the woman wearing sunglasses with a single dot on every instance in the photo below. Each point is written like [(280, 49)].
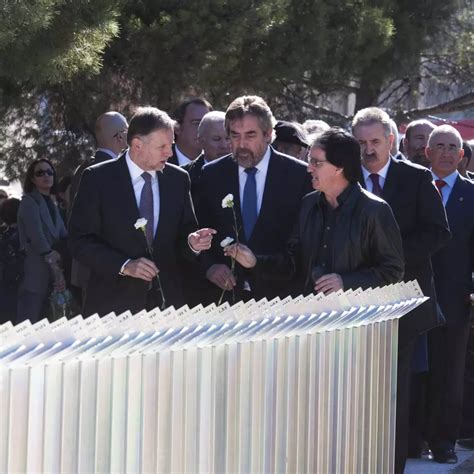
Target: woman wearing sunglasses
[(40, 228)]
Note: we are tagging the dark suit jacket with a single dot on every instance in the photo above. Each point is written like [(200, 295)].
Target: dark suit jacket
[(367, 246), (286, 183), (173, 159), (99, 157), (417, 206), (103, 236), (454, 263), (194, 170)]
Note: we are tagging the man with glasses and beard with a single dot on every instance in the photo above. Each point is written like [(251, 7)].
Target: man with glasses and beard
[(267, 188)]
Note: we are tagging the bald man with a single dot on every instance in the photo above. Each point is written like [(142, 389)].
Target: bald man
[(111, 134)]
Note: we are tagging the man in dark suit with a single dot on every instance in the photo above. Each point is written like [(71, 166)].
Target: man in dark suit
[(267, 189), (105, 231), (188, 116), (452, 268), (111, 136), (415, 202), (214, 142)]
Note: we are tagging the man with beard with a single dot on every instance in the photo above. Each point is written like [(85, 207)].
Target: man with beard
[(416, 138), (267, 188), (417, 207)]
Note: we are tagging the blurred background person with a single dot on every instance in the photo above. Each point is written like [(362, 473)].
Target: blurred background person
[(416, 139), (11, 259), (41, 230), (291, 139)]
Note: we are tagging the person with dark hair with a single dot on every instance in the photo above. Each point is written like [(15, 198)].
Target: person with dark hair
[(267, 188), (41, 229), (466, 160), (188, 116), (130, 220), (291, 140), (11, 259), (345, 236)]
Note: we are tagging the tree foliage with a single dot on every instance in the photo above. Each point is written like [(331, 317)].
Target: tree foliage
[(80, 58)]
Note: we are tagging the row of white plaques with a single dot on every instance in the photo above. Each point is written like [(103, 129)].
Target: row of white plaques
[(295, 385)]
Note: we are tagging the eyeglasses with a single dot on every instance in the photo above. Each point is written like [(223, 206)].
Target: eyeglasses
[(316, 163), (41, 173), (119, 133)]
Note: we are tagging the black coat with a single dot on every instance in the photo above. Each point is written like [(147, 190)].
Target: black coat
[(103, 236), (454, 263), (286, 183), (367, 247), (420, 215)]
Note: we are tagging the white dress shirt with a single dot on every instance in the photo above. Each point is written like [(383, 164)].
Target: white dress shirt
[(138, 183), (450, 181), (382, 176), (182, 158), (260, 177)]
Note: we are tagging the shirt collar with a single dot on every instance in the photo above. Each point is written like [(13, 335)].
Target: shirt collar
[(135, 171), (382, 173), (109, 152), (449, 180), (182, 158), (262, 165)]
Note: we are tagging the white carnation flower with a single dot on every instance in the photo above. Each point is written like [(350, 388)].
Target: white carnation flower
[(227, 241), (228, 201), (141, 223)]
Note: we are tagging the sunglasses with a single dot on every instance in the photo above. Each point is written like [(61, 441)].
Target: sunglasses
[(41, 173)]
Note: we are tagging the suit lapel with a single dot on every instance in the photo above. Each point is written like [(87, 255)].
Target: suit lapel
[(272, 180), (392, 183), (124, 193), (456, 196), (166, 204)]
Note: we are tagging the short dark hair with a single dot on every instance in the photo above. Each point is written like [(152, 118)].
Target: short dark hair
[(180, 111), (28, 185), (146, 120), (342, 150), (9, 210)]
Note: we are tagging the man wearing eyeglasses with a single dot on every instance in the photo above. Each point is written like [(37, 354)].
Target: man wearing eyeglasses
[(408, 189), (345, 237), (452, 267)]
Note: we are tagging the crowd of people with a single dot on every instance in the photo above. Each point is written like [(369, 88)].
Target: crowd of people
[(212, 206)]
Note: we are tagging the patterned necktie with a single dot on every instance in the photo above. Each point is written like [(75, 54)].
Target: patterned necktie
[(376, 188), (440, 184), (249, 203), (146, 207)]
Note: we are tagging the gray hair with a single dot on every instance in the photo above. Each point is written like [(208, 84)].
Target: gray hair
[(445, 129), (210, 117), (396, 140), (370, 116)]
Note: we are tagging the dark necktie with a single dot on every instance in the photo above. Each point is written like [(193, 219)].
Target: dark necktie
[(376, 188), (440, 184), (249, 203), (146, 207)]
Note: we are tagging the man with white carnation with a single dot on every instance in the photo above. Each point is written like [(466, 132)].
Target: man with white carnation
[(266, 189), (129, 223)]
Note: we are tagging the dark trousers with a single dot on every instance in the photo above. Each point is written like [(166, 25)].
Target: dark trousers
[(406, 347), (447, 352), (31, 306)]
